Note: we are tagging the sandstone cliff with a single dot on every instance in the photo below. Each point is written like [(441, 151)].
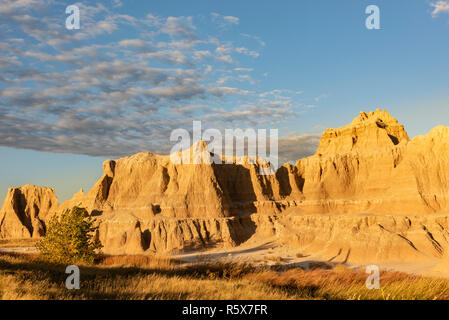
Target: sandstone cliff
[(24, 211), (372, 166), (147, 185), (369, 193)]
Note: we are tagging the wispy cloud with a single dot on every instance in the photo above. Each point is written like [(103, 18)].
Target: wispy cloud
[(440, 7), (321, 97), (256, 38), (117, 3), (13, 6), (224, 21), (293, 147), (104, 92)]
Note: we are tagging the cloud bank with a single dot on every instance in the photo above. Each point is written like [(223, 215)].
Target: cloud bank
[(121, 83)]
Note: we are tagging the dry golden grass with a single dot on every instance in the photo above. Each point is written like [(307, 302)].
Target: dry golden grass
[(344, 283), (26, 277), (275, 259), (9, 243), (138, 261), (145, 277)]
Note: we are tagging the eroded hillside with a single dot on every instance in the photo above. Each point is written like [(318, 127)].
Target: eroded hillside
[(369, 190)]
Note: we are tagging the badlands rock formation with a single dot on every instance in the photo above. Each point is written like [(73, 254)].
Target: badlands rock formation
[(24, 211), (147, 185), (368, 194), (372, 166)]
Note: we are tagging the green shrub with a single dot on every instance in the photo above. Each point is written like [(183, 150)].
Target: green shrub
[(70, 238)]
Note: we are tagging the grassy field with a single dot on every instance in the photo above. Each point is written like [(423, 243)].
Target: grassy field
[(142, 277), (17, 243)]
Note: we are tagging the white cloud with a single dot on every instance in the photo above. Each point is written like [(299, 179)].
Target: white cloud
[(117, 3), (231, 19), (61, 93), (321, 97), (10, 6), (225, 58), (224, 91), (256, 38), (224, 21), (179, 92), (180, 27), (248, 52), (243, 69), (187, 109), (295, 147), (440, 7)]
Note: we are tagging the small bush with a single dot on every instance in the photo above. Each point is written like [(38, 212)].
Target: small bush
[(70, 238)]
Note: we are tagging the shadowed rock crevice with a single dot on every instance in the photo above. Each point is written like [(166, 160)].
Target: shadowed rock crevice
[(19, 205), (238, 189)]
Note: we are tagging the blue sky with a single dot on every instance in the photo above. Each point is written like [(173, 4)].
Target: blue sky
[(136, 70)]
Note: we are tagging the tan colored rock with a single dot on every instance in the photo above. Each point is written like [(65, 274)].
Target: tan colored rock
[(121, 234), (24, 211), (368, 194), (367, 133), (358, 239), (125, 234), (148, 185), (372, 166)]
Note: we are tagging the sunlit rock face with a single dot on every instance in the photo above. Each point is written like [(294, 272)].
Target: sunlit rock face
[(368, 189), (24, 211), (372, 166)]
